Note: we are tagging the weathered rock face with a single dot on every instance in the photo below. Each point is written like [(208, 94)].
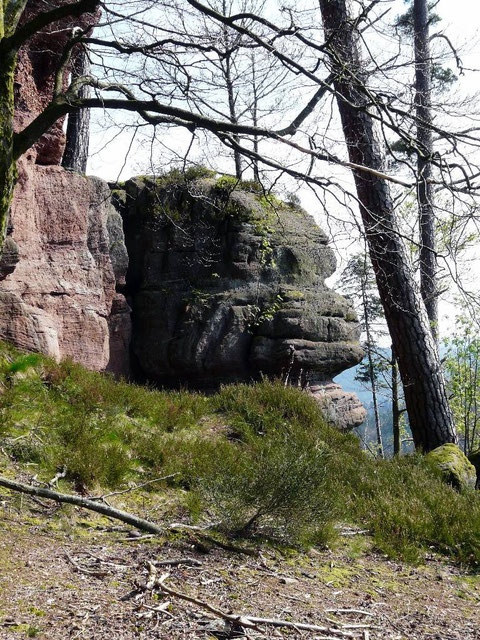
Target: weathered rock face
[(61, 297), (60, 289), (35, 75), (340, 407), (225, 287)]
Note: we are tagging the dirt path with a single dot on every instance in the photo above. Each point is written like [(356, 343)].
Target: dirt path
[(65, 580)]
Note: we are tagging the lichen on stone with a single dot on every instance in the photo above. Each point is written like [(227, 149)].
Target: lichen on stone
[(453, 465), (246, 285)]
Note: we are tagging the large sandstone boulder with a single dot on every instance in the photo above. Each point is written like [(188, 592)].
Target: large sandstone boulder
[(227, 284), (453, 465), (64, 261)]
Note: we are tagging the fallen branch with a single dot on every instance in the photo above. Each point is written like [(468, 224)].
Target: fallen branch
[(247, 621), (303, 626), (58, 476), (99, 507), (359, 611), (175, 562), (236, 620)]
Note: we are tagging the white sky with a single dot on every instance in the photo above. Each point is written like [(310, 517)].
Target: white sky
[(460, 20)]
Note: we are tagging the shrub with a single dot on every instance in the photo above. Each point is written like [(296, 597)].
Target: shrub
[(258, 459)]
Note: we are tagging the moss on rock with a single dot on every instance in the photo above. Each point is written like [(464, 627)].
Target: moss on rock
[(453, 465)]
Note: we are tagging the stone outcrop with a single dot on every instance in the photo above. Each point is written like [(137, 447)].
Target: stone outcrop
[(453, 465), (64, 262), (340, 407), (227, 284), (61, 297)]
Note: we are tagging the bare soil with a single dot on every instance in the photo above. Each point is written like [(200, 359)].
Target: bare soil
[(70, 576)]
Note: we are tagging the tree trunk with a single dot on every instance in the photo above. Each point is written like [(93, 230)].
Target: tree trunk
[(78, 127), (425, 396), (256, 172), (425, 192), (7, 162), (395, 406), (233, 115), (371, 366)]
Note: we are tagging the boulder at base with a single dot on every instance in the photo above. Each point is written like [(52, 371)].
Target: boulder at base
[(474, 458), (454, 466)]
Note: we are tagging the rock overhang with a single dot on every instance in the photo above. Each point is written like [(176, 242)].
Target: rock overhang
[(228, 283)]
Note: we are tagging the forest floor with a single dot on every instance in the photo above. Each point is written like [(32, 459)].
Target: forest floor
[(77, 576)]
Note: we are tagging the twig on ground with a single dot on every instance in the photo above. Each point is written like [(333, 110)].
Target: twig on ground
[(232, 618), (354, 532), (272, 622), (133, 488), (152, 577), (60, 474), (359, 611), (191, 527), (89, 572), (176, 561), (247, 621)]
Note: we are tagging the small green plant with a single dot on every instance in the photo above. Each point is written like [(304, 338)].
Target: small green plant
[(258, 315)]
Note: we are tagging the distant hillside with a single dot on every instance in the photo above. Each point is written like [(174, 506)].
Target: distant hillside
[(367, 430)]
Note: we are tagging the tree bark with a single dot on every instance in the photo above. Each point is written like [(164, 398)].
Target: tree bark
[(425, 192), (395, 406), (7, 162), (78, 127), (425, 396)]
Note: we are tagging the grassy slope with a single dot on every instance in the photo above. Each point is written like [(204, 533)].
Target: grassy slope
[(258, 460)]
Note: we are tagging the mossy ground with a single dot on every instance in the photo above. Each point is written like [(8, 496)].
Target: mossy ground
[(258, 460)]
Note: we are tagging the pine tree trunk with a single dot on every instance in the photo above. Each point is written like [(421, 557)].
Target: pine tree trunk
[(7, 163), (425, 396), (425, 192), (371, 367), (395, 406), (78, 126)]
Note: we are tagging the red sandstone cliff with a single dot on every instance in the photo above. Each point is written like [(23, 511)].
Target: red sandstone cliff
[(61, 297)]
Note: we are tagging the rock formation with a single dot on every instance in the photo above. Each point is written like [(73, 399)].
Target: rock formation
[(64, 262), (227, 284), (60, 296)]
